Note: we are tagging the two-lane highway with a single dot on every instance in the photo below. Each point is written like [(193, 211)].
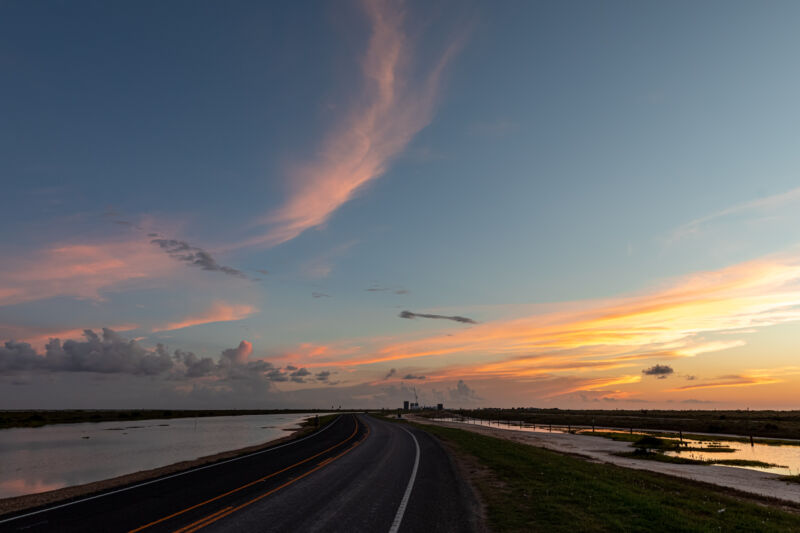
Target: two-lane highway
[(357, 474)]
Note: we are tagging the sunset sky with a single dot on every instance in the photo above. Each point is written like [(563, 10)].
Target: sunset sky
[(305, 204)]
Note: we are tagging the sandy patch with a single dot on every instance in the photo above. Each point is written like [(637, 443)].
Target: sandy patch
[(18, 503), (602, 450)]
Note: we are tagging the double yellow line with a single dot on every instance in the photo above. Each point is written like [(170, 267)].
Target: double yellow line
[(210, 519)]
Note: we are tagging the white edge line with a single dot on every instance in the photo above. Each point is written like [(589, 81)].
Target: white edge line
[(398, 518), (167, 477)]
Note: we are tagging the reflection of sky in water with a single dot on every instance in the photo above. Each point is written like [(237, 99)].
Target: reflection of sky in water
[(50, 457), (786, 456), (538, 428)]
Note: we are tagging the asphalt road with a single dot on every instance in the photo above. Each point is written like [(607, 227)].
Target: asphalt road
[(359, 473)]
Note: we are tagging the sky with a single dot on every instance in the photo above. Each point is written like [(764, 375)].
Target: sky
[(309, 204)]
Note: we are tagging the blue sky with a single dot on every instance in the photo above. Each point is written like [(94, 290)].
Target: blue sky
[(505, 162)]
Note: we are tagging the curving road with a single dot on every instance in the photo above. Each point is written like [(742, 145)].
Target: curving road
[(359, 473)]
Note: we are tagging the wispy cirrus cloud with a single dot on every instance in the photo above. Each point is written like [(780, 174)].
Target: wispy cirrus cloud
[(82, 271), (396, 99), (671, 320), (728, 382), (217, 312), (762, 207), (603, 340)]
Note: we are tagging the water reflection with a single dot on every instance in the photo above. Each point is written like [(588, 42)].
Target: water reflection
[(40, 459), (787, 458)]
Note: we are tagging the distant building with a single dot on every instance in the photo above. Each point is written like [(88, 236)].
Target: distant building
[(439, 406), (405, 405)]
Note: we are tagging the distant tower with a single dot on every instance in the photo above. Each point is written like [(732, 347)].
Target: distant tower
[(405, 405)]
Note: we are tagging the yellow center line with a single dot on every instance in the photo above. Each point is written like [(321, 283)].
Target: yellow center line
[(215, 498), (209, 517), (191, 528)]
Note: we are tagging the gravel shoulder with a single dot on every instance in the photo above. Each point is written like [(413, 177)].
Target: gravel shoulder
[(602, 450)]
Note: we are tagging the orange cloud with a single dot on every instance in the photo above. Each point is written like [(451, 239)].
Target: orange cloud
[(729, 381), (81, 271), (218, 312), (556, 350), (392, 108), (748, 295)]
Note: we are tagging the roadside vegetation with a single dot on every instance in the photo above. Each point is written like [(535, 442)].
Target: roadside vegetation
[(11, 419), (771, 424), (532, 489)]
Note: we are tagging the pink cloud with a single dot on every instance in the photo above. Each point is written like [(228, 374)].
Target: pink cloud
[(81, 271), (38, 337), (218, 312), (392, 108), (239, 354)]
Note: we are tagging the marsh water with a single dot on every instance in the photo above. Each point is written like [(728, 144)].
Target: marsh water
[(785, 457), (55, 456)]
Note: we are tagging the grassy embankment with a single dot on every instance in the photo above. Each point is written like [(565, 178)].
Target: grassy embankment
[(10, 419), (532, 489), (770, 424)]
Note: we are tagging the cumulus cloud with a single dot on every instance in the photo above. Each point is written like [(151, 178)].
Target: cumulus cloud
[(660, 371), (110, 353), (320, 295), (456, 318), (298, 376), (463, 393), (238, 355), (195, 256), (390, 373), (107, 354)]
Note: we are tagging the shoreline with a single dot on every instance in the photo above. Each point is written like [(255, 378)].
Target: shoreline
[(601, 450), (29, 501)]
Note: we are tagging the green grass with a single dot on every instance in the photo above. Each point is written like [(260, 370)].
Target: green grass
[(745, 462), (661, 458), (531, 489)]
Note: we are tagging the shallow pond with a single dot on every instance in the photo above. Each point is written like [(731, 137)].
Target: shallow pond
[(786, 456), (55, 456)]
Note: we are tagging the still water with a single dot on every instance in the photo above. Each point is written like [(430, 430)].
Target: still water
[(51, 457), (785, 458)]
